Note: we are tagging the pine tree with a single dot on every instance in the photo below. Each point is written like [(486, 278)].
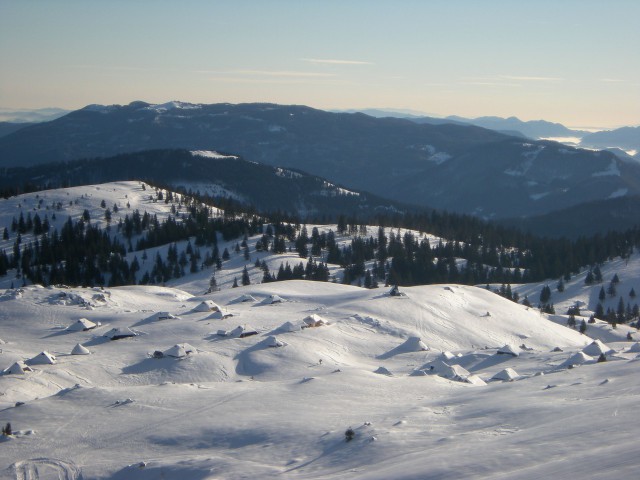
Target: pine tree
[(620, 312), (245, 277), (545, 294), (235, 282), (589, 279), (632, 292), (560, 285), (599, 313), (602, 295), (583, 326), (597, 274)]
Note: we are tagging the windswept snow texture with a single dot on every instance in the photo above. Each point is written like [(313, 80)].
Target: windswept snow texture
[(241, 408), (276, 404)]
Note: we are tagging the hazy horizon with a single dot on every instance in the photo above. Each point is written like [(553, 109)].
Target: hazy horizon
[(572, 62)]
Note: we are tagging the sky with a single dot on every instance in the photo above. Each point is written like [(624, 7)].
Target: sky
[(576, 62)]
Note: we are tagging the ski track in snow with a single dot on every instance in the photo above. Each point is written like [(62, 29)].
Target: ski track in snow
[(43, 468)]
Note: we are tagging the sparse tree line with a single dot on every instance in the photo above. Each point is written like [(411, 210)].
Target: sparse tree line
[(82, 254)]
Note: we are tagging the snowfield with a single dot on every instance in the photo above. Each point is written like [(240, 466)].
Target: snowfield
[(263, 381), (240, 408)]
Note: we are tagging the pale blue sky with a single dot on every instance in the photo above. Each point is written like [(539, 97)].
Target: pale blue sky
[(574, 62)]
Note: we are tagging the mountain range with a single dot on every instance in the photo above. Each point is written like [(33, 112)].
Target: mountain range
[(460, 168), (627, 138), (535, 129), (215, 175)]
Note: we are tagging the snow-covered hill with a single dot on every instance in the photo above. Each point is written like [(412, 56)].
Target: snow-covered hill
[(443, 381), (241, 408)]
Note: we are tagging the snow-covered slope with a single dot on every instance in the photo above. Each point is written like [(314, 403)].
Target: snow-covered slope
[(241, 408)]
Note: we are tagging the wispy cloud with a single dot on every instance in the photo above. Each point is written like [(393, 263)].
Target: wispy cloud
[(270, 73), (490, 84), (530, 79), (333, 61), (612, 80)]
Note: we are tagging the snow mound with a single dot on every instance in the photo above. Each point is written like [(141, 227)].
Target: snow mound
[(246, 298), (383, 371), (506, 375), (508, 350), (290, 327), (596, 348), (410, 345), (578, 358), (162, 316), (80, 350), (635, 348)]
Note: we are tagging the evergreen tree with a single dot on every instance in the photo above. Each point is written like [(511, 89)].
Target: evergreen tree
[(245, 277), (599, 313), (632, 292), (560, 285), (589, 279), (545, 294), (620, 312), (235, 282), (597, 274), (602, 295), (583, 326)]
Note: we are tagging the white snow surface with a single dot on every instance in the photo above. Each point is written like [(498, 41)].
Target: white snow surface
[(242, 409), (211, 154)]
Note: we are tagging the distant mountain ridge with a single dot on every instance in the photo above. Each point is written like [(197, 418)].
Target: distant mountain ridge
[(216, 175), (460, 168), (627, 138), (535, 129), (25, 115), (531, 128)]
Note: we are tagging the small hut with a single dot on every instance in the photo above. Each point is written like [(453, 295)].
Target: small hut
[(18, 368), (180, 350), (273, 342), (207, 306), (243, 331), (82, 325), (314, 321), (43, 358), (120, 332), (508, 350)]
